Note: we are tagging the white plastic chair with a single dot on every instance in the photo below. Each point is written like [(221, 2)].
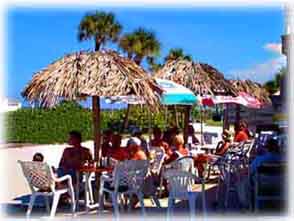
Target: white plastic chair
[(156, 163), (42, 182), (180, 186), (185, 163), (127, 179), (231, 164), (269, 183)]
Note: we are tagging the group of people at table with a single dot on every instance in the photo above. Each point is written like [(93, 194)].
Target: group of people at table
[(171, 142)]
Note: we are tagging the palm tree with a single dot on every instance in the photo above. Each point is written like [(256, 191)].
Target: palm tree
[(274, 85), (100, 26), (176, 53), (138, 45), (153, 64)]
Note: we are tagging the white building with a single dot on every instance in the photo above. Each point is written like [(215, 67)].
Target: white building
[(8, 104)]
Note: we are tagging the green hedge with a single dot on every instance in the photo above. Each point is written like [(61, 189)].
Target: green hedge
[(37, 125), (47, 126)]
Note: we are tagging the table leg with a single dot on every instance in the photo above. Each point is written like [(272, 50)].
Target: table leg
[(87, 201), (77, 189)]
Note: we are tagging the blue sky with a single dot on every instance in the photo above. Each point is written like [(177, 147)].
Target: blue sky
[(240, 42)]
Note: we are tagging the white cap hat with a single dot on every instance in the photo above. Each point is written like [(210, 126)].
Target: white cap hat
[(134, 140)]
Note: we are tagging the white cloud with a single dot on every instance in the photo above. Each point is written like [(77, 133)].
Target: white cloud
[(260, 72), (274, 47), (264, 71)]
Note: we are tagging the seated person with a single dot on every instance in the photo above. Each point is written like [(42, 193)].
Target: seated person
[(272, 154), (38, 157), (191, 138), (106, 145), (138, 134), (180, 150), (241, 132), (73, 157), (135, 150), (223, 145), (222, 148), (157, 141), (116, 151)]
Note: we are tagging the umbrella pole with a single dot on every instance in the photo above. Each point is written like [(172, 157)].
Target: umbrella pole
[(186, 123), (97, 135), (226, 112), (238, 112), (201, 126), (96, 126), (149, 124)]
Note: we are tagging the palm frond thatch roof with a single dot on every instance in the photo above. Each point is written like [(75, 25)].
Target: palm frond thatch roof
[(252, 88), (81, 74), (202, 79)]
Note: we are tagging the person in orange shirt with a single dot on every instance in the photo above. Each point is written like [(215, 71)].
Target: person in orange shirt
[(222, 147), (135, 150), (242, 132)]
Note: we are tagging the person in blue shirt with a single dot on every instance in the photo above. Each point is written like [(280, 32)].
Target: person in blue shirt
[(272, 154)]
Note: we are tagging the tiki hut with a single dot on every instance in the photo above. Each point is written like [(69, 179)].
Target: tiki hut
[(252, 88), (201, 78), (95, 74)]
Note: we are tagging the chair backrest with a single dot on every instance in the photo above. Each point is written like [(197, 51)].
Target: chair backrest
[(185, 163), (158, 158), (263, 137), (38, 175), (209, 137), (179, 182), (247, 147), (112, 162), (270, 179), (131, 174)]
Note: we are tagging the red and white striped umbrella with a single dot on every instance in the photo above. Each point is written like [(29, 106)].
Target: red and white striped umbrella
[(243, 99)]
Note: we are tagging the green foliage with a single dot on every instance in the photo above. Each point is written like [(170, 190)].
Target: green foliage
[(47, 125), (140, 44), (100, 26), (273, 86), (176, 53), (211, 122)]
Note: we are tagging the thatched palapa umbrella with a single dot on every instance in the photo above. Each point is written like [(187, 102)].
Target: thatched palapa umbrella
[(95, 74), (201, 78), (253, 88)]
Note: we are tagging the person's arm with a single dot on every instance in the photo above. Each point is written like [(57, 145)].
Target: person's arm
[(171, 158), (223, 149), (64, 158)]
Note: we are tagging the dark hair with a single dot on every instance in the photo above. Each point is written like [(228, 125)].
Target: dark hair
[(272, 145), (38, 157), (157, 130), (76, 134)]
